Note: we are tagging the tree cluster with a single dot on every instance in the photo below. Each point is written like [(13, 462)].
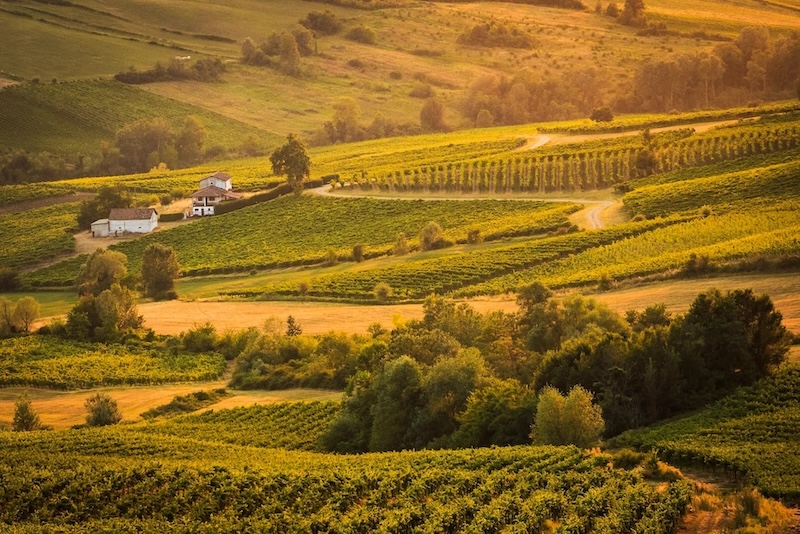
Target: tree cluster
[(108, 197), (202, 70), (146, 143), (17, 317), (281, 51), (496, 35), (533, 96), (322, 22), (753, 65), (558, 371), (346, 126)]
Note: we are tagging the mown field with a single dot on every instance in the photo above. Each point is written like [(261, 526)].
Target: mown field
[(752, 433)]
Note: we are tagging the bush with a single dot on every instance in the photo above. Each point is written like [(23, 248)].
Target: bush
[(358, 253), (25, 418), (603, 114), (103, 410), (362, 34), (382, 291), (421, 90), (9, 279), (201, 338), (431, 237), (356, 63), (324, 23)]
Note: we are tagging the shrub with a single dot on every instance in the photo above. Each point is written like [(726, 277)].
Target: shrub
[(103, 410), (25, 418), (201, 338), (358, 253), (325, 22), (396, 75), (356, 63), (382, 291), (430, 236), (400, 245), (474, 236), (362, 34), (330, 257), (603, 114), (421, 90), (9, 279)]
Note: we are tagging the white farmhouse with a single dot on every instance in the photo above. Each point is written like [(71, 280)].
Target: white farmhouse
[(218, 179), (213, 190)]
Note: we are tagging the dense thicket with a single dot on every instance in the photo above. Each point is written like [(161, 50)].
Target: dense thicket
[(178, 69)]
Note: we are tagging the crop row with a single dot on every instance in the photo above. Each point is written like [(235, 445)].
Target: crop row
[(78, 478), (416, 279), (294, 426), (580, 169), (761, 185), (38, 234), (752, 432), (294, 231), (55, 363), (720, 238)]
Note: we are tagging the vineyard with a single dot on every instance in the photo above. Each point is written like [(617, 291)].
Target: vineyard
[(107, 479), (73, 117), (50, 362), (566, 168), (37, 234), (292, 426), (418, 278), (752, 433), (296, 231)]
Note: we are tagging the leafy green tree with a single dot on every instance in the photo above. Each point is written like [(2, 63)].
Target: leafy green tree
[(293, 328), (26, 311), (431, 116), (118, 313), (117, 196), (103, 410), (400, 245), (190, 140), (9, 279), (567, 420), (103, 269), (292, 161), (431, 236), (289, 54), (398, 397), (146, 143), (159, 270), (499, 414), (25, 418)]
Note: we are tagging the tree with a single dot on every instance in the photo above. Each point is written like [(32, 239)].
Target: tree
[(431, 236), (9, 279), (159, 270), (291, 161), (190, 141), (499, 414), (144, 144), (103, 269), (293, 328), (431, 116), (107, 197), (400, 245), (570, 420), (289, 55), (633, 13), (603, 114), (25, 313), (103, 410), (25, 418), (398, 397), (6, 317), (116, 308), (484, 119)]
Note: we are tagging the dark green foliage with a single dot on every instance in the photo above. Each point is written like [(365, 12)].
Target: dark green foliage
[(362, 34), (293, 328), (25, 418), (190, 402), (323, 22), (159, 270), (291, 160), (496, 35), (202, 70), (108, 197), (603, 114), (201, 338), (9, 279), (499, 414), (103, 410)]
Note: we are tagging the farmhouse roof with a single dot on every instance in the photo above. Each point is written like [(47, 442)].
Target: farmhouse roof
[(100, 221), (220, 175), (214, 191), (131, 214)]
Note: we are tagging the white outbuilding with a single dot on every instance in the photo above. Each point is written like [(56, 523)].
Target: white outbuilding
[(100, 228), (219, 179), (132, 221)]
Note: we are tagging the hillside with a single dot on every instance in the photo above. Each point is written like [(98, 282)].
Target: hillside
[(415, 54)]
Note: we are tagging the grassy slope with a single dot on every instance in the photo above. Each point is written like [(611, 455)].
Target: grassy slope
[(101, 39)]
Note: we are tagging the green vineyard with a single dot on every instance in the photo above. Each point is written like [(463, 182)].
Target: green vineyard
[(752, 433), (50, 362), (38, 234), (92, 480)]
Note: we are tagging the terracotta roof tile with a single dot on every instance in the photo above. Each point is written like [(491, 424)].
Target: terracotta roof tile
[(130, 214)]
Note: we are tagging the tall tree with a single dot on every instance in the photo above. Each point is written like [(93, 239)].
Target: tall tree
[(117, 196), (103, 269), (25, 313), (292, 161), (159, 270), (189, 142), (25, 418)]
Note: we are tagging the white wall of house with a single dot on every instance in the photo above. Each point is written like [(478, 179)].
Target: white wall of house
[(135, 226), (199, 211), (100, 228), (217, 182)]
